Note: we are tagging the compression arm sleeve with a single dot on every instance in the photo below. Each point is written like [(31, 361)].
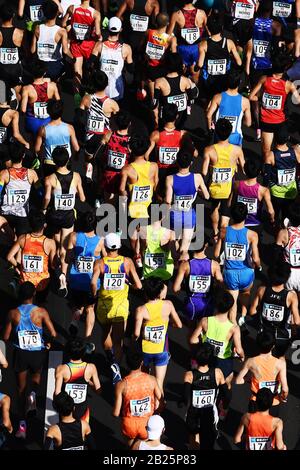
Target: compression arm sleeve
[(157, 95), (268, 175), (225, 394), (186, 393), (90, 442), (49, 443)]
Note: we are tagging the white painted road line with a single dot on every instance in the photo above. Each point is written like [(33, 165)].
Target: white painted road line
[(51, 417)]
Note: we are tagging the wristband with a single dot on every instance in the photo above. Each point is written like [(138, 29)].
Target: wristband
[(298, 23)]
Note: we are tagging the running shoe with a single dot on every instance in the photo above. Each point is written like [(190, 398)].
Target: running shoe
[(116, 373), (21, 432), (138, 261), (31, 403)]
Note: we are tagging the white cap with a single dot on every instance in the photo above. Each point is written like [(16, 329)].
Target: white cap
[(155, 427), (112, 241), (115, 24)]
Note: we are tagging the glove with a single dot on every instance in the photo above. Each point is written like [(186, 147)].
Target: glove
[(105, 22)]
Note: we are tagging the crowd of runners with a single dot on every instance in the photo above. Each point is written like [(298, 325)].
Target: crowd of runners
[(152, 61)]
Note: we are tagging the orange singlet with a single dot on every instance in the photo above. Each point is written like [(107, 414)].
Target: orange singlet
[(260, 434), (268, 377), (35, 262)]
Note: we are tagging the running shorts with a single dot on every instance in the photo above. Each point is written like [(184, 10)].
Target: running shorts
[(110, 311), (189, 53), (29, 360), (82, 49), (238, 279), (134, 427)]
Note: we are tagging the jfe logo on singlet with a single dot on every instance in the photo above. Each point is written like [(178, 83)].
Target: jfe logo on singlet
[(216, 66), (140, 407), (155, 334), (85, 264), (190, 35), (243, 11), (219, 346), (33, 263), (155, 260), (139, 23), (250, 202), (81, 31), (260, 443), (9, 55), (295, 257), (141, 194), (116, 160), (17, 197), (77, 391), (95, 124), (271, 101), (179, 100), (64, 202), (203, 398), (167, 155), (260, 47), (114, 281), (221, 175), (29, 340), (286, 176), (235, 251), (154, 51), (271, 312), (199, 284), (36, 12), (282, 9)]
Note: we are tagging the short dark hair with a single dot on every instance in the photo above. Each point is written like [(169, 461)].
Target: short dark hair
[(223, 129), (233, 79), (88, 221), (37, 220), (55, 108), (174, 62), (169, 112), (63, 403), (215, 24), (280, 63), (75, 347), (281, 137), (265, 7), (184, 159), (99, 80), (162, 20), (60, 156), (264, 399), (38, 69), (253, 167), (239, 212), (17, 152), (153, 286), (134, 357), (27, 291), (7, 11), (224, 301), (139, 145), (50, 9), (294, 214), (279, 273), (122, 119), (265, 341), (204, 354)]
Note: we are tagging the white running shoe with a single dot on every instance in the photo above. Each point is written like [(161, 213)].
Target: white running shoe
[(21, 432)]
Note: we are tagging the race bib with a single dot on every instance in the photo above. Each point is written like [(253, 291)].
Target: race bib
[(167, 155), (286, 177), (155, 260), (17, 197), (232, 120), (219, 347), (199, 284), (154, 51), (36, 13), (183, 203), (29, 340), (216, 67), (155, 334), (139, 23), (272, 312), (250, 202), (95, 124), (141, 194), (190, 35), (203, 398), (221, 175), (114, 281), (282, 9), (271, 101), (33, 263), (260, 443), (40, 110), (65, 146), (85, 264), (77, 391), (260, 47), (3, 134), (272, 385), (179, 100), (140, 407), (9, 55), (295, 257), (109, 66), (64, 202), (80, 31), (235, 251), (75, 448), (45, 51), (116, 160), (244, 11)]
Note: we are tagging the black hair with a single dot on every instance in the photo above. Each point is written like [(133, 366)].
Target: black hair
[(60, 156), (162, 20), (17, 152), (239, 212), (264, 399), (99, 80), (184, 159), (134, 357), (281, 136), (169, 112), (37, 220), (294, 214), (50, 9), (224, 302), (215, 24), (233, 79), (88, 221), (280, 63), (122, 119), (265, 341), (153, 286), (205, 352), (223, 129), (75, 348), (265, 7), (7, 11), (279, 273), (38, 69), (27, 291), (63, 403), (139, 145), (174, 62), (55, 108), (253, 167)]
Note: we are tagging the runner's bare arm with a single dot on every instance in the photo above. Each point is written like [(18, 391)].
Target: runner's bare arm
[(95, 378), (16, 130), (294, 307), (283, 379), (248, 53), (51, 247), (206, 161), (238, 343), (240, 430), (282, 237), (48, 190), (123, 182), (243, 372), (202, 187), (253, 238), (256, 301), (59, 379), (173, 22), (278, 435), (176, 322), (3, 361), (122, 10), (12, 254), (21, 7), (233, 50), (73, 138), (247, 119), (182, 271), (64, 43), (118, 399), (97, 18), (216, 271), (48, 323), (212, 108), (24, 100), (132, 271), (34, 39), (253, 95), (139, 317), (202, 52), (154, 137), (39, 139), (169, 189), (241, 159), (95, 277), (67, 16), (80, 188), (291, 88), (269, 205), (196, 335)]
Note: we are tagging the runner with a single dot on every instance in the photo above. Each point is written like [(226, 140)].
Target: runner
[(69, 433), (242, 13), (74, 378), (137, 397), (263, 431), (155, 429), (151, 323), (26, 324), (114, 271), (241, 256)]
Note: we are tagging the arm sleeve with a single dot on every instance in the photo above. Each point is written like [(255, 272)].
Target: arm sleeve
[(268, 175), (49, 443), (187, 393)]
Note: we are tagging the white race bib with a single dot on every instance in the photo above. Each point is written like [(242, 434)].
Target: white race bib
[(45, 51), (199, 284), (272, 312), (190, 35), (29, 340), (3, 134), (260, 47), (80, 31), (33, 263), (36, 12), (167, 155), (154, 51), (140, 407), (139, 23), (116, 160), (271, 101), (250, 202), (114, 281), (221, 175), (40, 110), (244, 11), (232, 120), (85, 264), (77, 391), (75, 448), (9, 55), (141, 194), (286, 177), (203, 398), (95, 124), (235, 251), (64, 202), (216, 67), (155, 260), (272, 385), (65, 146), (219, 347), (155, 334), (17, 197), (109, 66), (295, 257), (183, 203), (260, 443), (179, 100), (282, 9)]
